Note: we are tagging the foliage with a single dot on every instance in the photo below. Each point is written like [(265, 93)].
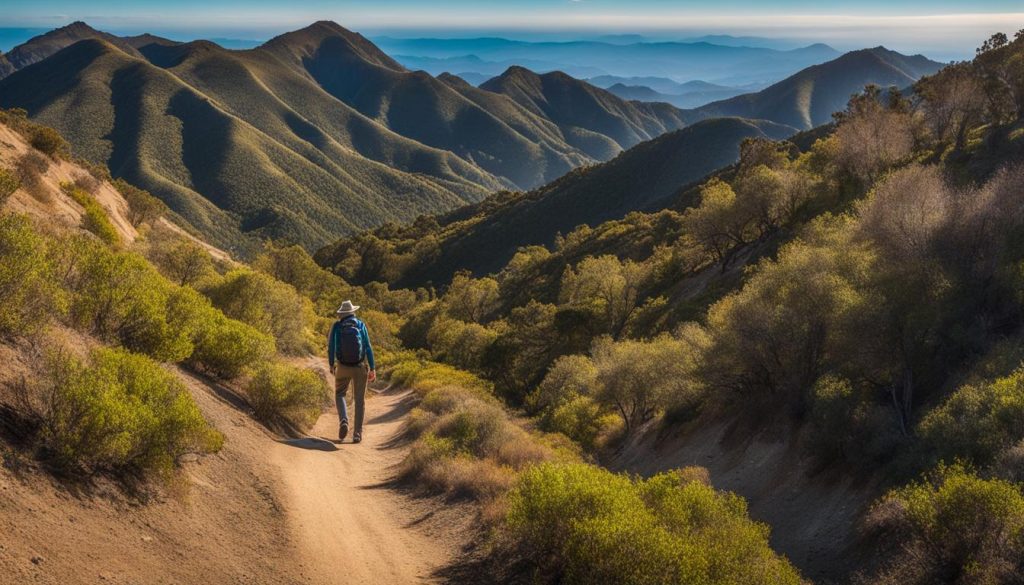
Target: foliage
[(953, 527), (49, 142), (28, 279), (267, 304), (282, 393), (120, 412), (143, 208), (581, 524), (9, 183), (638, 379), (226, 347), (95, 219), (978, 421)]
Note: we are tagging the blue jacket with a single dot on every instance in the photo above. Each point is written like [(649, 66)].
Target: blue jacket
[(335, 335)]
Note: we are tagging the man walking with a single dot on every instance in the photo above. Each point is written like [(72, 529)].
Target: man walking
[(351, 357)]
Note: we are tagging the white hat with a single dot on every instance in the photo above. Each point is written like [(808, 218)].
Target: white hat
[(347, 308)]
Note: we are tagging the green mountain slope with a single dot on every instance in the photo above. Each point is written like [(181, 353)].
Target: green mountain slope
[(809, 98), (41, 47), (223, 174), (318, 133), (482, 238), (584, 111)]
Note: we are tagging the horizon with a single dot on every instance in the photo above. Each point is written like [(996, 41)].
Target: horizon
[(945, 30)]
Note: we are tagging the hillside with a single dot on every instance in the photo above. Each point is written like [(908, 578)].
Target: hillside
[(808, 98), (315, 134), (42, 46), (583, 112), (483, 238)]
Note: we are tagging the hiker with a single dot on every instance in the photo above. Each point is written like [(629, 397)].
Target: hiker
[(349, 345)]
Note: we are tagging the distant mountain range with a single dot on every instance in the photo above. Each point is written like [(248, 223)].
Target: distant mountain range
[(319, 133), (312, 135), (685, 99), (718, 63)]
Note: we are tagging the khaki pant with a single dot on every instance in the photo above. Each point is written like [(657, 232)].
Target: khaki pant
[(343, 377)]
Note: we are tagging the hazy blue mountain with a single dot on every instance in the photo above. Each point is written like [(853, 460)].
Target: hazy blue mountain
[(474, 64), (686, 99), (732, 65)]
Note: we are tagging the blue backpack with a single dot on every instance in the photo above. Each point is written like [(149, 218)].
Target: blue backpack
[(350, 343)]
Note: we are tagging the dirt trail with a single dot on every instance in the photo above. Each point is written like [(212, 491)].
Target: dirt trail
[(349, 526)]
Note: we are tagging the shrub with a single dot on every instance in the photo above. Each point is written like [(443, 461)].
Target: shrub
[(30, 169), (267, 304), (581, 419), (142, 206), (49, 142), (977, 421), (459, 343), (95, 219), (9, 183), (120, 297), (121, 412), (282, 393), (28, 284), (638, 379), (182, 261), (226, 347), (570, 376), (953, 527), (578, 523)]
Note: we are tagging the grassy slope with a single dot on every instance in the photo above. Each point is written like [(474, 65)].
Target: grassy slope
[(421, 107), (807, 99), (484, 238), (585, 112), (38, 48), (313, 135), (223, 174)]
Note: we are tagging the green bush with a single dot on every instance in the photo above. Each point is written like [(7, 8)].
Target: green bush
[(459, 343), (978, 421), (267, 304), (9, 183), (142, 206), (952, 527), (49, 142), (226, 347), (282, 393), (28, 283), (121, 412), (121, 298), (578, 523), (581, 419), (95, 219)]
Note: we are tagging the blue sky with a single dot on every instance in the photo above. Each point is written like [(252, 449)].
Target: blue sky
[(950, 27)]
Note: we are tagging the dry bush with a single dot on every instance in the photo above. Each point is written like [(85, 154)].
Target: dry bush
[(30, 170), (88, 183)]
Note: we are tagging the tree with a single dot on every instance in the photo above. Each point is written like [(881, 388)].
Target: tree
[(638, 379), (607, 287), (872, 136), (471, 299), (954, 102), (717, 224)]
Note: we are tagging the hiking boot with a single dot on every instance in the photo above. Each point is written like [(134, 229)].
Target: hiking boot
[(343, 431), (357, 438)]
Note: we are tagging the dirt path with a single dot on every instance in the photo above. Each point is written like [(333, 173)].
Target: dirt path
[(349, 527)]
